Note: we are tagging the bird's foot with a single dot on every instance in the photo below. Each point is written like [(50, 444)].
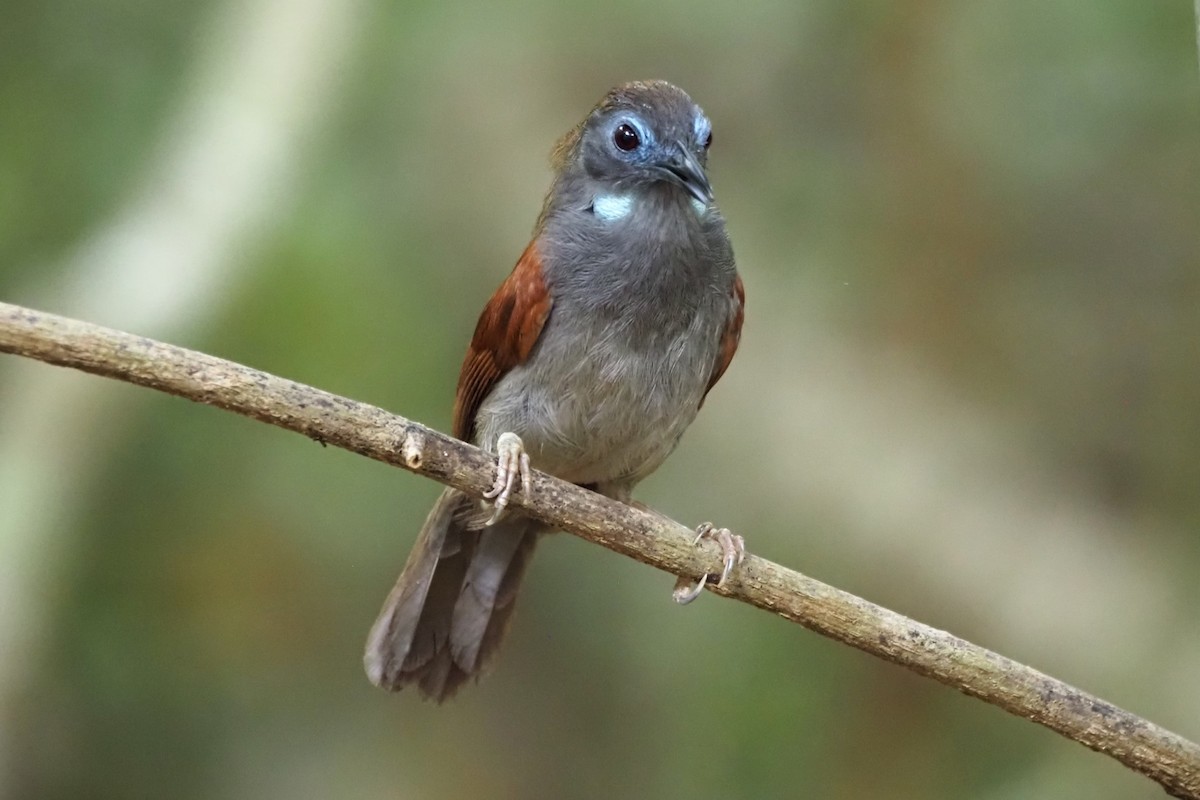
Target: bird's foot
[(511, 461), (733, 552)]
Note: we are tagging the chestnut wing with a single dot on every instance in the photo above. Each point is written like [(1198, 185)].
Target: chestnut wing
[(730, 337), (505, 335)]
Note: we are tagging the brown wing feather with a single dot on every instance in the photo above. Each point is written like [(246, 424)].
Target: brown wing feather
[(505, 335), (730, 337)]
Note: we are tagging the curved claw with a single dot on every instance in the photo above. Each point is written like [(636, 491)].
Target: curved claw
[(702, 530), (734, 550), (684, 594), (499, 512)]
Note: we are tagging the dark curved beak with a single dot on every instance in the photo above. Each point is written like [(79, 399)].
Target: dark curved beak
[(683, 169)]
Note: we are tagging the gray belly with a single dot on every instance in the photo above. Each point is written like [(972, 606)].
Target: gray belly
[(601, 409)]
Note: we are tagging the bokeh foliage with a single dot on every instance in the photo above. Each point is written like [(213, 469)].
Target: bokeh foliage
[(996, 201)]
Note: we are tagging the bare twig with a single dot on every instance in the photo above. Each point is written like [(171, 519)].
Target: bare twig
[(1172, 761)]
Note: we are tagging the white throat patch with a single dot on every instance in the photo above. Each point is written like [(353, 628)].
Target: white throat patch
[(612, 207)]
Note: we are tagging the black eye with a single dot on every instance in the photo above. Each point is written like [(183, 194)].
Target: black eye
[(708, 140), (626, 138)]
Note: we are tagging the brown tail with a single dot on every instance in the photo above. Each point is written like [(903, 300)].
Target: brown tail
[(450, 608)]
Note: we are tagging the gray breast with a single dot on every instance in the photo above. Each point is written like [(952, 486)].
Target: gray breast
[(623, 362)]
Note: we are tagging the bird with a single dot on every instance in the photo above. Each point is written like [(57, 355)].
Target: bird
[(588, 363)]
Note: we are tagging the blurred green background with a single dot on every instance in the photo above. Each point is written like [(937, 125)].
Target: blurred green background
[(968, 389)]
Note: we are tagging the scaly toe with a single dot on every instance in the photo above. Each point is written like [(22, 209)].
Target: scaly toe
[(511, 461), (526, 474), (733, 548), (733, 553)]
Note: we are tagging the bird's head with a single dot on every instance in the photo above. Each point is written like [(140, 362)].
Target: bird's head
[(641, 135)]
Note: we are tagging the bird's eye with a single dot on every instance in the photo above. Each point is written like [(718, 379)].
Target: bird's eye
[(708, 140), (626, 138)]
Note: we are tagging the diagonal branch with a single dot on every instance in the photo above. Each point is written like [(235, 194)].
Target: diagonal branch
[(1162, 756)]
